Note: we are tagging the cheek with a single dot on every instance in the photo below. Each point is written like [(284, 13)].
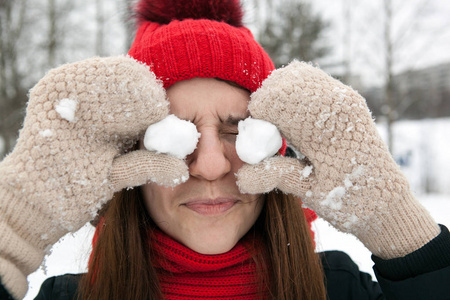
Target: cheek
[(235, 161), (154, 197), (259, 201), (248, 217)]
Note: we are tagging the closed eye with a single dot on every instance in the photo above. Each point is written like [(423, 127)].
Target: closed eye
[(228, 129), (229, 134)]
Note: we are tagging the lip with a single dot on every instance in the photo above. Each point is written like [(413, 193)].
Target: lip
[(211, 207)]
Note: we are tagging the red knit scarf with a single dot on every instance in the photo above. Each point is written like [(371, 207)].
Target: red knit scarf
[(185, 274)]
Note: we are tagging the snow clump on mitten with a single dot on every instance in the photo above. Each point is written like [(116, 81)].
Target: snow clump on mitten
[(172, 136)]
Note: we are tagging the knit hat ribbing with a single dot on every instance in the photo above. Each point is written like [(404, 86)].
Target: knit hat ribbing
[(199, 42)]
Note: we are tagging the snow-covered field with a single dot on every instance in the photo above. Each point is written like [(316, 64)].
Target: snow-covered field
[(421, 147)]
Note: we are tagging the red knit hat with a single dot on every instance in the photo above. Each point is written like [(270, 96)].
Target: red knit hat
[(181, 40)]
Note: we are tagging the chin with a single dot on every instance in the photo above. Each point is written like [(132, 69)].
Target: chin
[(211, 250), (210, 245)]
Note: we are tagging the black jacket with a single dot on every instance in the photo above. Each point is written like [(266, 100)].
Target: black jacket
[(422, 275)]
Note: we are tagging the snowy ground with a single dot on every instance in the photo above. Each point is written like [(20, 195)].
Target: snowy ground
[(421, 148), (328, 238)]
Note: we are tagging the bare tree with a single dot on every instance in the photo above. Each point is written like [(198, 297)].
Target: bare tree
[(57, 13), (12, 93), (293, 31), (125, 8), (261, 15), (398, 36), (52, 33), (388, 37), (347, 41), (389, 102), (29, 45), (100, 30)]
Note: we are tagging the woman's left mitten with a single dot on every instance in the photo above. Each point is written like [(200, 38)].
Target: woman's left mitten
[(348, 177)]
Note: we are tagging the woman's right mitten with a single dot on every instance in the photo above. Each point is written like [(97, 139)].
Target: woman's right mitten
[(69, 158)]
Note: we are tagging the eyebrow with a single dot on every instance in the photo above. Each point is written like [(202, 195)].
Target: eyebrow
[(232, 120)]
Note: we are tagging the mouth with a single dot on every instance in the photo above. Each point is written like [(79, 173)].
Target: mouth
[(211, 207)]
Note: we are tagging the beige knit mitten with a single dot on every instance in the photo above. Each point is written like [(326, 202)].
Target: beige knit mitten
[(67, 162), (349, 178)]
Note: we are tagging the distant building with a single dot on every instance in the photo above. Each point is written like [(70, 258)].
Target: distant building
[(420, 93), (424, 92)]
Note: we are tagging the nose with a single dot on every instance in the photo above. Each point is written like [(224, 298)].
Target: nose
[(209, 161)]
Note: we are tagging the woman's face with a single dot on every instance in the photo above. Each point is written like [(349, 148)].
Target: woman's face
[(207, 213)]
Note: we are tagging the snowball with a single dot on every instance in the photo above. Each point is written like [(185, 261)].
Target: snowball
[(172, 136), (66, 109), (257, 140)]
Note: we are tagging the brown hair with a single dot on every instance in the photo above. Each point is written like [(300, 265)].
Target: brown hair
[(120, 266)]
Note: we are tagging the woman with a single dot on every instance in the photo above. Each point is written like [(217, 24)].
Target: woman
[(209, 226)]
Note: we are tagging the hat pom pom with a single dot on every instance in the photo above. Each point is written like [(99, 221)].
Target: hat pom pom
[(165, 11)]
